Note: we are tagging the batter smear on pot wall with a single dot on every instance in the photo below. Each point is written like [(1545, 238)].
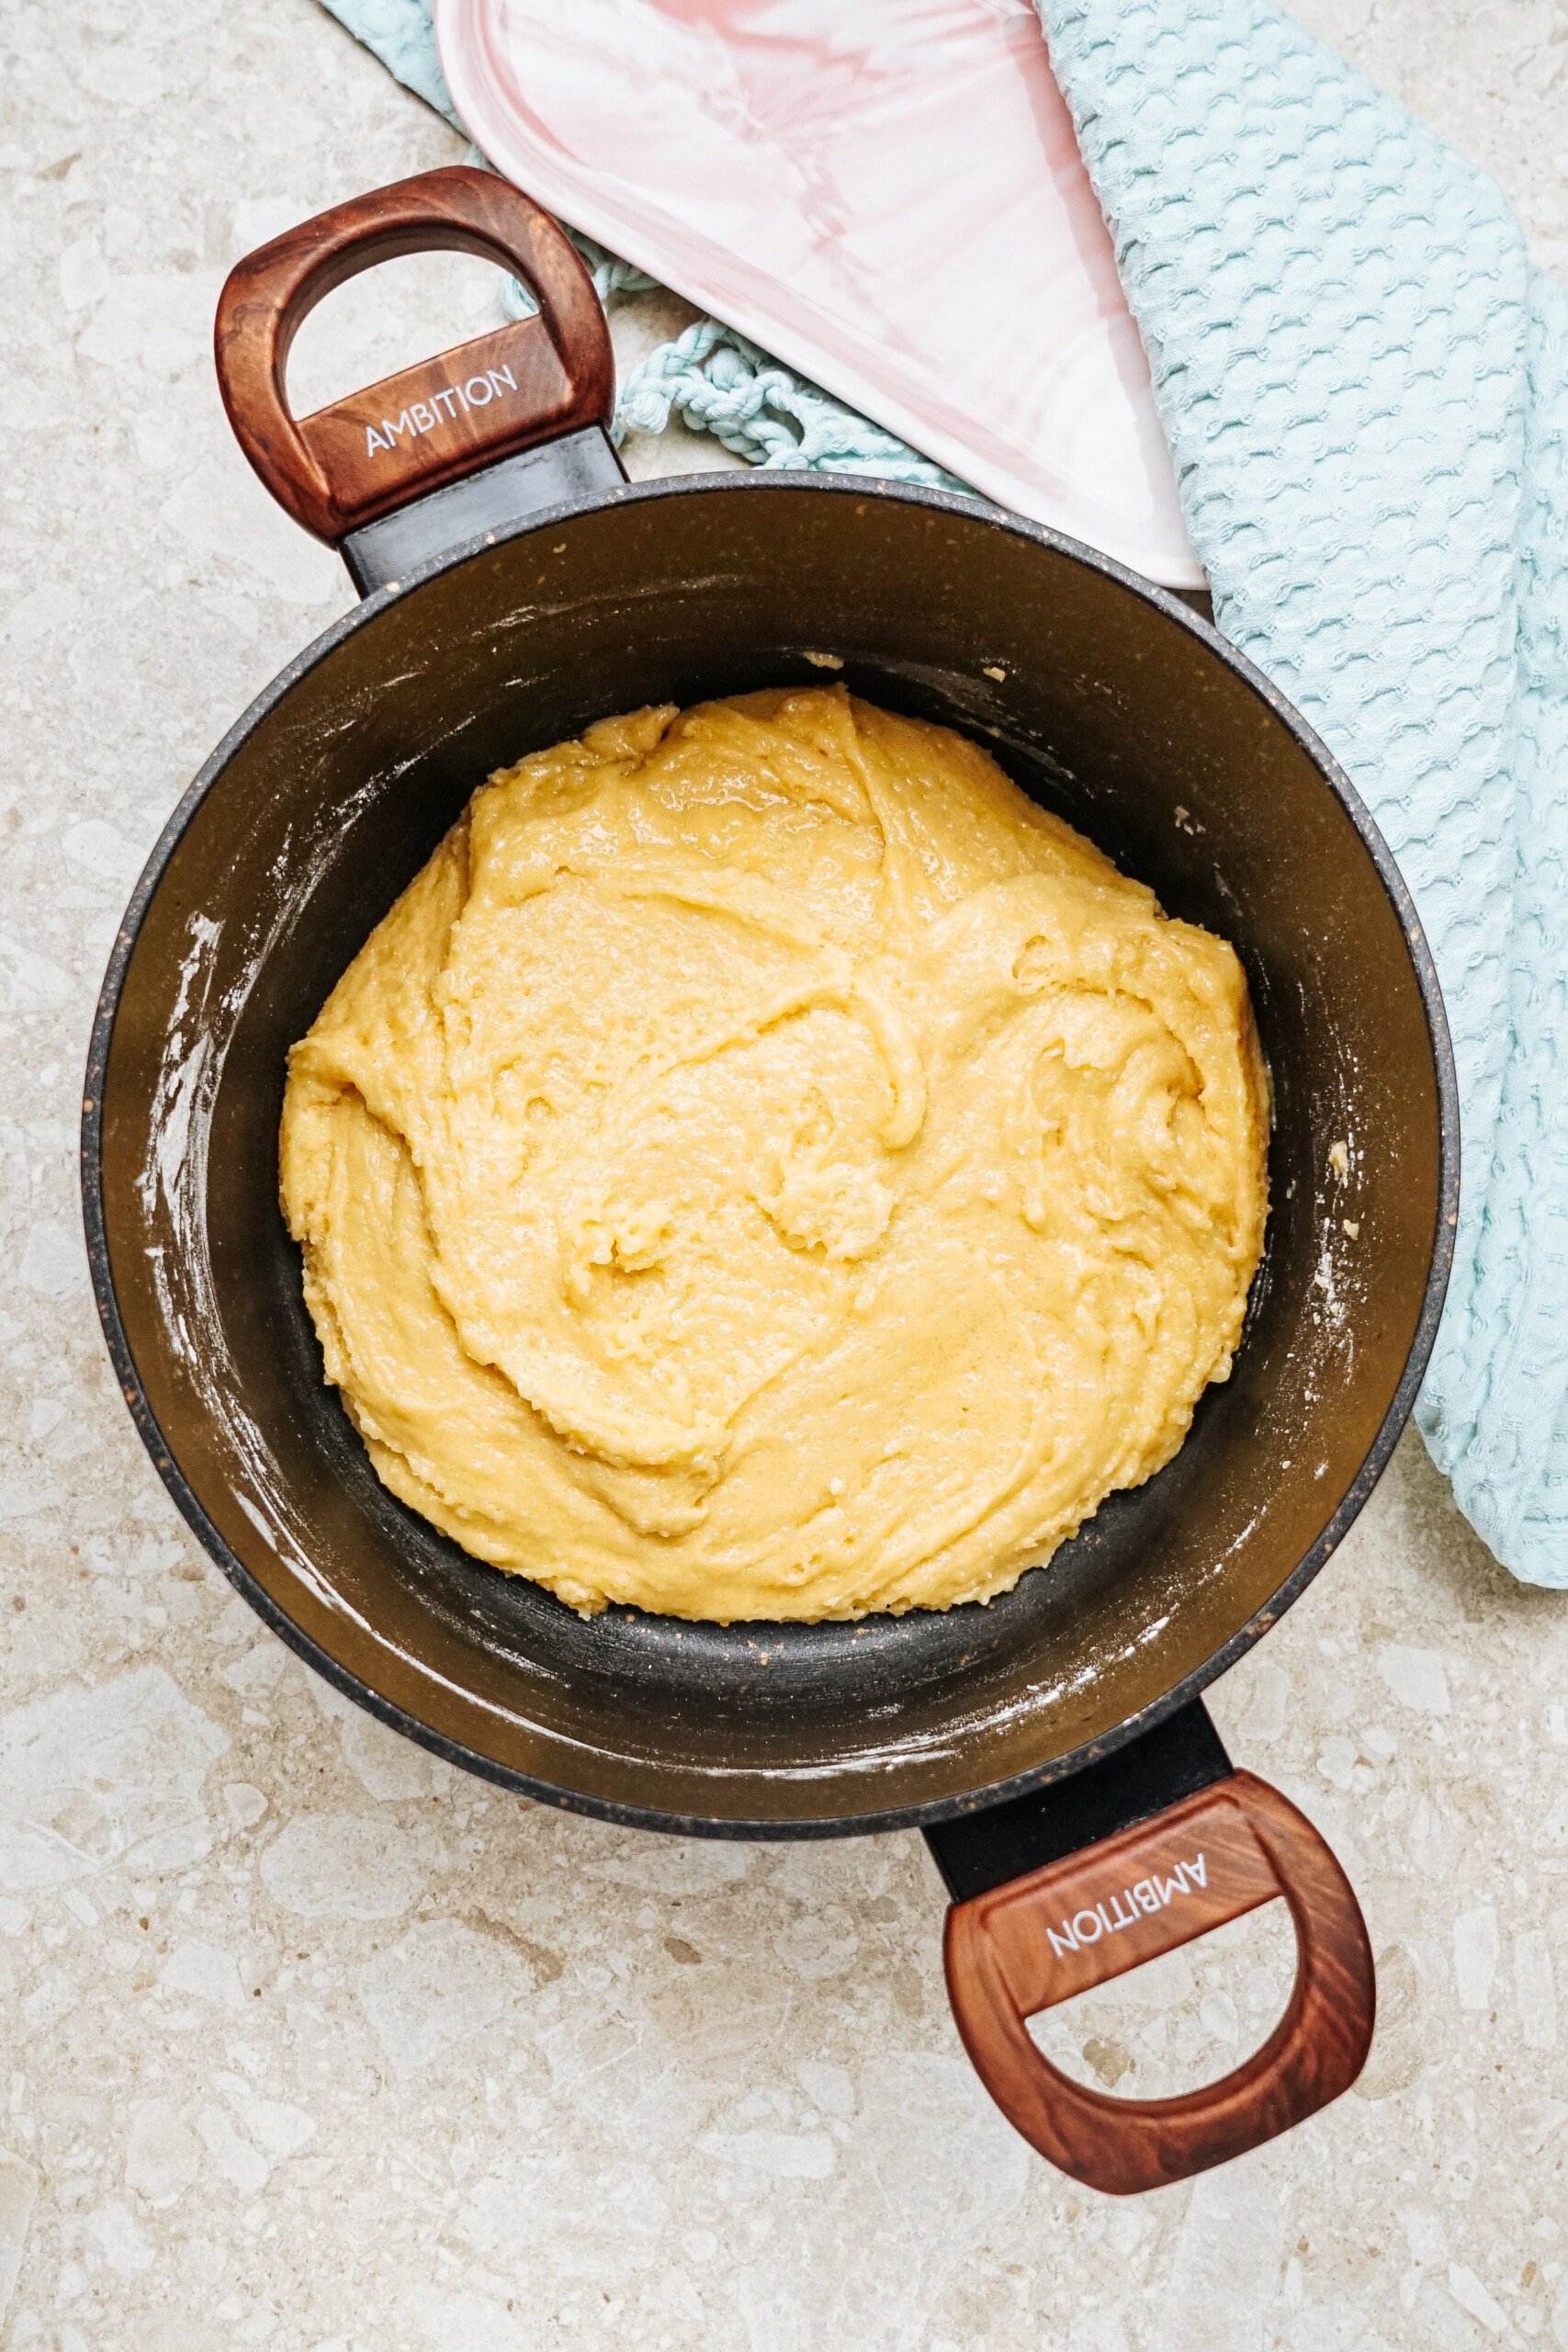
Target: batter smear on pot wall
[(764, 1167)]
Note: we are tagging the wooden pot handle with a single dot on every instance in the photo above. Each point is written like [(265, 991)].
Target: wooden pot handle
[(1036, 1940), (360, 459)]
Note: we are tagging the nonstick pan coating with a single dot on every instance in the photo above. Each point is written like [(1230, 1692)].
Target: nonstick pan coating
[(1114, 707)]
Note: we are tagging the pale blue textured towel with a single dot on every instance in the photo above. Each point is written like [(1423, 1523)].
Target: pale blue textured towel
[(1365, 386)]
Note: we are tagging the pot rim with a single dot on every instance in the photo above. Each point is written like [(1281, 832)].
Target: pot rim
[(764, 483)]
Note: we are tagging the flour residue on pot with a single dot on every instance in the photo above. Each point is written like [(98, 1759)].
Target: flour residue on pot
[(214, 978)]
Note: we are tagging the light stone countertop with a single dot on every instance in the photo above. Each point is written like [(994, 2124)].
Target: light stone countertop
[(309, 2041)]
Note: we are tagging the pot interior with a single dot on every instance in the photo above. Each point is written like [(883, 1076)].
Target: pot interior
[(1107, 706)]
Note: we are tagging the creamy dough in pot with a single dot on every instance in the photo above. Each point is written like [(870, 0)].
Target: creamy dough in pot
[(766, 1167)]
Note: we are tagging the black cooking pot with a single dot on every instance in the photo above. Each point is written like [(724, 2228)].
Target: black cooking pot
[(1052, 1745)]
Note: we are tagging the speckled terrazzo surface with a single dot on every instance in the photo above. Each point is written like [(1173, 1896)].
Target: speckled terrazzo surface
[(306, 2040)]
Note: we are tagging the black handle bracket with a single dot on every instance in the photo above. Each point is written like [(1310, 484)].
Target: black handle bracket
[(986, 1847), (580, 465)]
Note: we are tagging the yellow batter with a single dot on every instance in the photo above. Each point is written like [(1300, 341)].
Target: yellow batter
[(764, 1167)]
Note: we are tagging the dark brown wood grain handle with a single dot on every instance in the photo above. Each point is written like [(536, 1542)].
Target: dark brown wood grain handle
[(361, 458), (1025, 1946)]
